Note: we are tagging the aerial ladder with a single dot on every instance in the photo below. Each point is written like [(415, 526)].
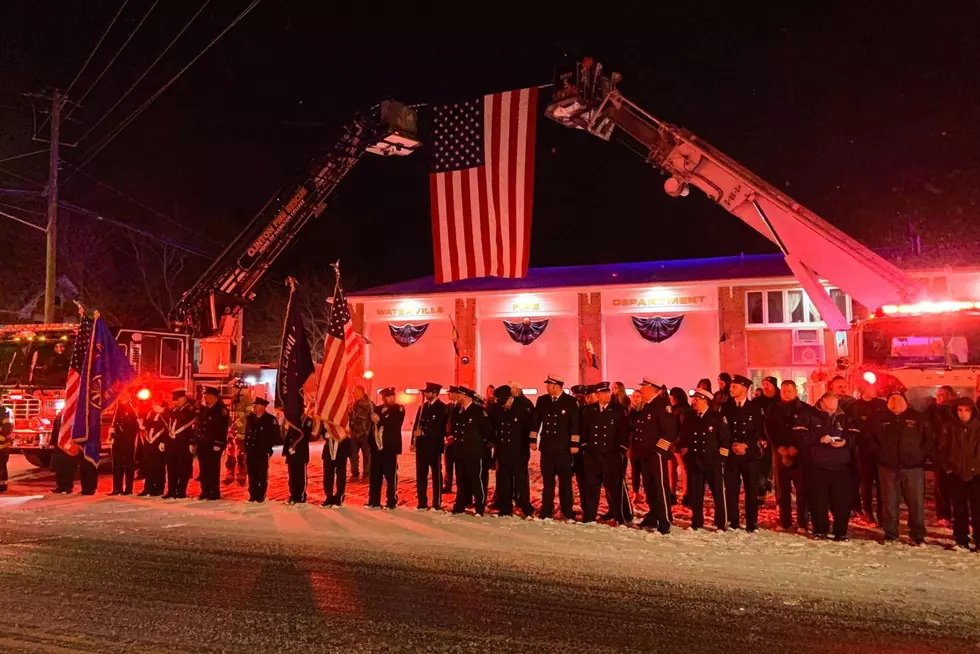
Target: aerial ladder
[(587, 98), (389, 129)]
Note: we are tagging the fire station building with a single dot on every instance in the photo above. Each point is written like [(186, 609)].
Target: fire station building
[(675, 321)]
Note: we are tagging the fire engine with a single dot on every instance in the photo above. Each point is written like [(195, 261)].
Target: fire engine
[(203, 349), (915, 349)]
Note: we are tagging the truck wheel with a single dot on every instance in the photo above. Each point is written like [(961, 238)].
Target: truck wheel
[(38, 458)]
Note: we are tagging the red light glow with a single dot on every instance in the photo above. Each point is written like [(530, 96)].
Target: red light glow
[(944, 306), (143, 394), (870, 377)]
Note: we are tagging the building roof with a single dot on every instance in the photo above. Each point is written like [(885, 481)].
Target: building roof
[(746, 266)]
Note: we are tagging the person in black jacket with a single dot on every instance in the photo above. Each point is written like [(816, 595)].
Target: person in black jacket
[(863, 411), (386, 445), (124, 433), (769, 399), (705, 442), (6, 429), (787, 422), (471, 431), (261, 434), (902, 441), (338, 449), (830, 442), (940, 414), (959, 457), (155, 434), (746, 424), (556, 420), (428, 443), (605, 438), (654, 432), (449, 456), (296, 450), (510, 439), (210, 441), (180, 460), (524, 408)]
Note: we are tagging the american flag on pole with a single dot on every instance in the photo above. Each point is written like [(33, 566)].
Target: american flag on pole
[(340, 349), (481, 185), (76, 365)]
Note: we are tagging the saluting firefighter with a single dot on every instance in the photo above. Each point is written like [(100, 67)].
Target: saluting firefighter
[(605, 439), (555, 433), (654, 431), (510, 441), (296, 449), (705, 442), (261, 435), (211, 439), (154, 451), (470, 434), (449, 457), (386, 445), (124, 434), (746, 422), (338, 449), (181, 420), (428, 443)]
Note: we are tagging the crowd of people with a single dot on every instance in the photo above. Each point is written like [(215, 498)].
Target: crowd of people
[(840, 457)]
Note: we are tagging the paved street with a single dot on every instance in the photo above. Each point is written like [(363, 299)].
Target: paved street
[(101, 574)]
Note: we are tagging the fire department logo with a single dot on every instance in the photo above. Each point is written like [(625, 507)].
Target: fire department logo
[(95, 392)]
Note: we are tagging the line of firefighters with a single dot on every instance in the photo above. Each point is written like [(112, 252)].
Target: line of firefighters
[(838, 456)]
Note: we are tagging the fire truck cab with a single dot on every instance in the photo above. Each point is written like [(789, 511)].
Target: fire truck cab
[(916, 349)]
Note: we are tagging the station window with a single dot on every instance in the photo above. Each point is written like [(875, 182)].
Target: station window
[(790, 308)]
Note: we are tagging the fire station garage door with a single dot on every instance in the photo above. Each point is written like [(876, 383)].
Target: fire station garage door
[(502, 359), (681, 360)]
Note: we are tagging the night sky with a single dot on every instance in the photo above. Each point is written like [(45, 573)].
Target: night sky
[(870, 118)]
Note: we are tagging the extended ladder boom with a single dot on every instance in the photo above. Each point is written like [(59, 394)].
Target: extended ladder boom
[(813, 248)]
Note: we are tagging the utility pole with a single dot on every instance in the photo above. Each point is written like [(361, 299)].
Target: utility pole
[(50, 270)]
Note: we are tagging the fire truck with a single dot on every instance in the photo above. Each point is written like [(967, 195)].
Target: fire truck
[(204, 346), (915, 349)]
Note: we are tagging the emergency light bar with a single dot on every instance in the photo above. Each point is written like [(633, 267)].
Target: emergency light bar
[(919, 308)]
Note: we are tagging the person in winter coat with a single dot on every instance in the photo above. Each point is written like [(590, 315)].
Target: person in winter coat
[(958, 456), (902, 440), (830, 439)]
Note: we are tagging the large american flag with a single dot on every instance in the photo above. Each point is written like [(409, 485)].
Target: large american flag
[(340, 348), (482, 185), (79, 355)]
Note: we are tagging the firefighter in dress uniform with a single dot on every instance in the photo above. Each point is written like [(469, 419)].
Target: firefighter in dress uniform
[(584, 394), (386, 445), (605, 439), (449, 458), (654, 432), (471, 431), (338, 449), (181, 420), (261, 435), (521, 483), (296, 449), (705, 443), (746, 423), (241, 409), (555, 433), (6, 429), (428, 443), (124, 434), (210, 441), (154, 448), (510, 440)]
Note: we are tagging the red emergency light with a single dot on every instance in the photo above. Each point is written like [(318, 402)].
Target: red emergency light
[(920, 308), (143, 394)]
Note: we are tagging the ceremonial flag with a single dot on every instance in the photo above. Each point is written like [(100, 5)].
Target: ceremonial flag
[(295, 363), (481, 185), (97, 374), (590, 354), (340, 345)]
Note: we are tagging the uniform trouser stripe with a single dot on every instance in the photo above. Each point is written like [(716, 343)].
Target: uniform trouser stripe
[(663, 484), (724, 494), (483, 491)]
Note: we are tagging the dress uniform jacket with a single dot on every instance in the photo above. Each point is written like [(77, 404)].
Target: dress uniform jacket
[(391, 419), (212, 427), (654, 427), (525, 408), (556, 420), (605, 431), (262, 434), (181, 421), (746, 425), (510, 432), (706, 438), (125, 425), (471, 431), (432, 422)]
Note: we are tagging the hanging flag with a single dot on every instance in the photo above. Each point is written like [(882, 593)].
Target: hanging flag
[(455, 336), (332, 386), (97, 374), (481, 185), (590, 353), (295, 363)]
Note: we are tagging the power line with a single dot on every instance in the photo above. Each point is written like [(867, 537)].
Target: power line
[(21, 177), (22, 209), (145, 72), (21, 156), (114, 57), (133, 116), (22, 221), (91, 54)]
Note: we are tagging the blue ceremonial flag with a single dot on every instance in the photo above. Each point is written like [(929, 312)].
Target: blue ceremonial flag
[(295, 364), (104, 371)]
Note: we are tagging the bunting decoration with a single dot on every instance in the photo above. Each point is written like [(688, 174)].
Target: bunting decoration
[(527, 331), (406, 335), (657, 329)]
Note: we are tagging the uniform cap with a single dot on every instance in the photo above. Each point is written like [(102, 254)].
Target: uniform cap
[(502, 394), (602, 387), (432, 387), (742, 380), (177, 394), (554, 379), (700, 392), (261, 401), (652, 384), (211, 390), (772, 380), (470, 393), (580, 389), (388, 391), (453, 389)]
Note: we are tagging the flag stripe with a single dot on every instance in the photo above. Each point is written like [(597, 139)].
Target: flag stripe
[(528, 174), (502, 167), (492, 141), (515, 160), (437, 231)]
